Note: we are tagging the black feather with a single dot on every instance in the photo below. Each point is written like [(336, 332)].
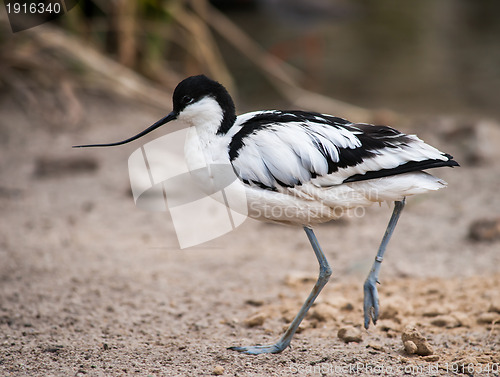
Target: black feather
[(404, 168), (373, 138)]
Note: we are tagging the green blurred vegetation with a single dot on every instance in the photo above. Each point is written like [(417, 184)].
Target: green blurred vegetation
[(155, 38), (427, 56)]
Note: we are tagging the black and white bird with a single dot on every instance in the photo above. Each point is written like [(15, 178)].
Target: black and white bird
[(308, 163)]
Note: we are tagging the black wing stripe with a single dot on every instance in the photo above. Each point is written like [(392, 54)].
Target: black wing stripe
[(404, 168), (373, 138)]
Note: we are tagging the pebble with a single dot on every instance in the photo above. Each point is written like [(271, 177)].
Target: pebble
[(376, 347), (253, 302), (488, 318), (431, 358), (389, 312), (350, 334), (485, 230), (394, 307), (255, 320), (218, 370), (50, 167), (494, 307), (348, 307), (410, 347), (478, 142), (434, 311), (324, 312), (340, 302), (465, 362), (298, 278), (462, 318), (388, 325), (483, 359), (412, 335), (447, 321)]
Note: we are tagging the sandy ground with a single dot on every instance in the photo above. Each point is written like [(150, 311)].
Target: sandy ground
[(91, 285)]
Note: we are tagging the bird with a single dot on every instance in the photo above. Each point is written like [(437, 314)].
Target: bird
[(310, 166)]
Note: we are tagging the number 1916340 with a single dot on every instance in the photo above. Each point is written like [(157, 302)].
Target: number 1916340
[(33, 8)]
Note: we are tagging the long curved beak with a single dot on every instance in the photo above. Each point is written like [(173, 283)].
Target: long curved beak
[(161, 122)]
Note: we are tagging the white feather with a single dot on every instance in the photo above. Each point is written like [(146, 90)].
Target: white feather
[(289, 152)]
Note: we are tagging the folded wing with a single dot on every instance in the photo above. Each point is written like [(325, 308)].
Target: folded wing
[(274, 149)]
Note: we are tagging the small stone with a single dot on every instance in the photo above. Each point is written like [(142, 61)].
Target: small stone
[(350, 334), (403, 360), (478, 141), (253, 302), (53, 349), (304, 325), (431, 358), (218, 370), (434, 311), (412, 334), (462, 318), (447, 321), (410, 347), (395, 307), (488, 318), (51, 167), (255, 320), (376, 347), (494, 307), (483, 359), (298, 278), (487, 230), (340, 303), (464, 363), (323, 312), (389, 312), (348, 307), (433, 290), (388, 325)]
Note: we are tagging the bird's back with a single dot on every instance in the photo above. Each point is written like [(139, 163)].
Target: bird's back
[(310, 160)]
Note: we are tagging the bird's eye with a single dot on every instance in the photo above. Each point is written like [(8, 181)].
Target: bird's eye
[(186, 100)]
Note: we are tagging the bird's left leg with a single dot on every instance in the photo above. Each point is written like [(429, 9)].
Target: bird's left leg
[(370, 306), (325, 272)]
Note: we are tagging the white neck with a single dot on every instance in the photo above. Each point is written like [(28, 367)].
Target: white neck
[(203, 145), (206, 115)]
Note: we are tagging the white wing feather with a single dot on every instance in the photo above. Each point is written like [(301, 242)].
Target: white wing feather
[(294, 153)]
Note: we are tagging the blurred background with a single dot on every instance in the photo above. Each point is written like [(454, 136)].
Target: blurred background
[(415, 58)]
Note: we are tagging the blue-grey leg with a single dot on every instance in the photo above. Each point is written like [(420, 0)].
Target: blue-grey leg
[(324, 274), (371, 306)]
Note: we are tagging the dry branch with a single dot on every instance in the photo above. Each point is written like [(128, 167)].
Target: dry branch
[(117, 78), (281, 75), (202, 44)]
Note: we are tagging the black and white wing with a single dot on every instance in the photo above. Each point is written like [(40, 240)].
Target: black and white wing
[(273, 149)]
